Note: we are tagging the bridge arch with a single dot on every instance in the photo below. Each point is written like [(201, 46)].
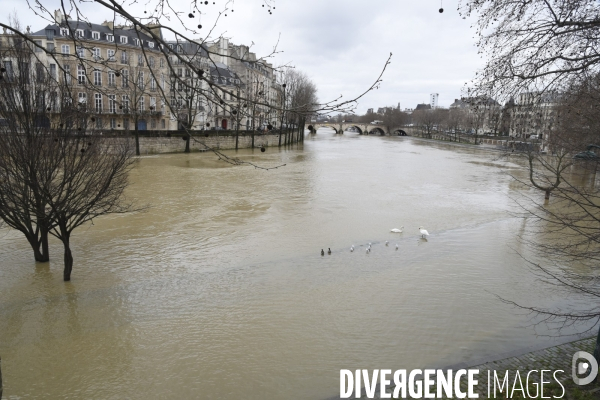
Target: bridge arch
[(400, 132), (355, 128), (377, 131), (326, 127)]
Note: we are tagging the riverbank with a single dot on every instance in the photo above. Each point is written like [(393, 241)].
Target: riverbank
[(174, 143)]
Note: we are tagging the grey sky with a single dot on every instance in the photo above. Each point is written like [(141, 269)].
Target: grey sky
[(341, 45)]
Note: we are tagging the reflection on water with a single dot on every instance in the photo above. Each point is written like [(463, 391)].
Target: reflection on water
[(220, 291)]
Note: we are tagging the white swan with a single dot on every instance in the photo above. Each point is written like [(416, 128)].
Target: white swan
[(423, 232), (396, 230)]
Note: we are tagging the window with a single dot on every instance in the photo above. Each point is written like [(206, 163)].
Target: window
[(162, 123), (141, 105), (97, 77), (111, 79), (141, 79), (125, 105), (126, 123), (79, 33), (64, 32), (111, 55), (179, 71), (96, 53), (112, 103), (113, 123), (151, 45), (152, 84), (124, 39), (162, 83), (50, 47), (53, 71), (82, 98), (140, 60), (152, 124), (151, 62), (80, 51), (67, 72), (110, 38), (124, 58), (81, 74), (187, 73), (162, 62), (125, 80), (39, 72), (96, 35), (38, 46), (98, 123), (153, 103), (136, 41), (65, 49), (98, 102)]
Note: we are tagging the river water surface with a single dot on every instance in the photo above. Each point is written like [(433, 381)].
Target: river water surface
[(219, 290)]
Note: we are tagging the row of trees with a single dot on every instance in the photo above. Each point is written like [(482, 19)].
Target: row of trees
[(550, 48)]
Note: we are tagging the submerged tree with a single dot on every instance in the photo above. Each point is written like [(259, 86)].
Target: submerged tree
[(544, 48)]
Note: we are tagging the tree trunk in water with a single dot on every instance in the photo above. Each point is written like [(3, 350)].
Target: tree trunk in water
[(252, 139), (237, 135), (68, 261), (187, 144), (40, 255), (547, 197), (137, 138)]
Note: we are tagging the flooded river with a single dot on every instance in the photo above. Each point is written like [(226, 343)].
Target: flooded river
[(219, 290)]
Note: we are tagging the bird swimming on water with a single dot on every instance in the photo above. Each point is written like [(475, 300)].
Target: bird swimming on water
[(329, 251), (423, 232), (352, 248), (322, 252), (386, 242), (396, 230), (396, 246)]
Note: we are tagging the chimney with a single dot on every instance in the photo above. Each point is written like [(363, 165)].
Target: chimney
[(59, 17), (109, 24)]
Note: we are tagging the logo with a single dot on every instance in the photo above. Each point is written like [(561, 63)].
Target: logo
[(580, 367)]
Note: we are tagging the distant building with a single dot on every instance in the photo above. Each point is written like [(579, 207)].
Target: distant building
[(433, 99), (423, 107), (369, 111)]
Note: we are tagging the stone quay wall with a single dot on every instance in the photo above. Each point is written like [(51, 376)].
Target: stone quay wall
[(201, 142)]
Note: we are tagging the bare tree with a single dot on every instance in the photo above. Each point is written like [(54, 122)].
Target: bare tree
[(57, 170)]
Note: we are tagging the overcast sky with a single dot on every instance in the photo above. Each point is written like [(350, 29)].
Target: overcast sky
[(341, 45)]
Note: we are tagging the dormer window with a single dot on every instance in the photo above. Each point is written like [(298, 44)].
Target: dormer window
[(96, 35), (124, 39), (64, 32), (79, 33), (151, 45), (136, 41), (110, 38)]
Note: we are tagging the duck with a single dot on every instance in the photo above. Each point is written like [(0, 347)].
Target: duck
[(368, 250), (322, 252), (396, 230), (352, 248), (396, 246), (386, 242), (329, 251), (423, 232)]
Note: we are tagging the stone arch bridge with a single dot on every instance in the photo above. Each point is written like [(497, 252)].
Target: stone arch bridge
[(361, 128)]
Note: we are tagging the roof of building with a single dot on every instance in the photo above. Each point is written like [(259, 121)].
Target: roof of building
[(188, 48), (423, 107), (54, 30)]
